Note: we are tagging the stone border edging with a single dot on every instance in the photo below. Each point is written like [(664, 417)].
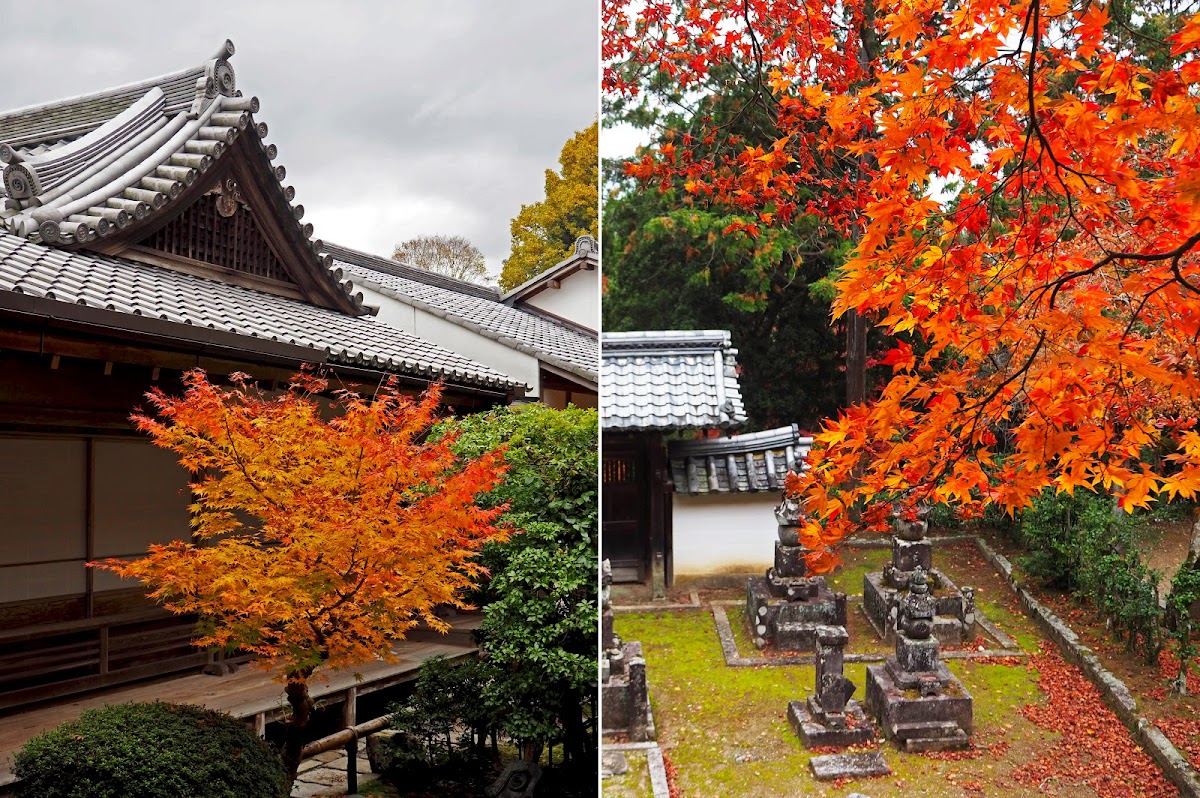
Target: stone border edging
[(694, 604), (734, 658), (1114, 692), (654, 763)]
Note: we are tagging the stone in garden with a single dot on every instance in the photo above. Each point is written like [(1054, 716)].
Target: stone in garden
[(917, 701), (829, 767), (829, 717), (787, 605), (954, 616), (624, 694), (613, 763), (518, 780)]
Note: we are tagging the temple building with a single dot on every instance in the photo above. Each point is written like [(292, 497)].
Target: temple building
[(150, 229)]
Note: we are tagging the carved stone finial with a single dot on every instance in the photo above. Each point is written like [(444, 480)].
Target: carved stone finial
[(910, 523), (917, 608), (790, 512)]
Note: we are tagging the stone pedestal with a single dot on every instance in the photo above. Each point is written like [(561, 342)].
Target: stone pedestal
[(830, 717), (624, 695), (917, 701), (954, 622), (786, 606), (625, 698)]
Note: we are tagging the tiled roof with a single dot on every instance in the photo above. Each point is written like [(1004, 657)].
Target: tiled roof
[(474, 307), (189, 302), (84, 168), (753, 462), (669, 380)]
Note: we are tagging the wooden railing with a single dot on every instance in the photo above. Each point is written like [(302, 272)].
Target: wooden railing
[(57, 659)]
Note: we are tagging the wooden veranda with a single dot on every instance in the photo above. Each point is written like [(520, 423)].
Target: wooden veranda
[(250, 693)]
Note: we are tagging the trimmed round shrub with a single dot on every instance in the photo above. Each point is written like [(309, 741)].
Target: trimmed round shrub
[(156, 750)]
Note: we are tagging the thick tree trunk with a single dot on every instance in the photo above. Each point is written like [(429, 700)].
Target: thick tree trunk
[(302, 708), (576, 744)]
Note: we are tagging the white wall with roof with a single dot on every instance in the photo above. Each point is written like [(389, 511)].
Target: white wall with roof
[(723, 533), (517, 365), (576, 300)]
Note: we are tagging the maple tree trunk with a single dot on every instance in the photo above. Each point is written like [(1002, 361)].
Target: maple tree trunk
[(856, 358), (302, 708)]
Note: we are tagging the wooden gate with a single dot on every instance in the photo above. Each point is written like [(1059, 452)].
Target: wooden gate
[(625, 507)]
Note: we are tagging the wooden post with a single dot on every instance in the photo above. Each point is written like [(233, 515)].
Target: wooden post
[(349, 719), (260, 725), (352, 765), (655, 472), (89, 574), (350, 708)]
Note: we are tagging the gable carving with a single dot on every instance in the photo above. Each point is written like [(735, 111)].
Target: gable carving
[(220, 229)]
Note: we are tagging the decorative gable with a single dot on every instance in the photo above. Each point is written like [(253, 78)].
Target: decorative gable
[(220, 230), (172, 171)]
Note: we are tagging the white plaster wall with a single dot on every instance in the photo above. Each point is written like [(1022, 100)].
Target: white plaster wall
[(448, 335), (723, 533), (578, 299)]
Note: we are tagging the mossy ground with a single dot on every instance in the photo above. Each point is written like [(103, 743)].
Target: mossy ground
[(635, 783), (725, 729)]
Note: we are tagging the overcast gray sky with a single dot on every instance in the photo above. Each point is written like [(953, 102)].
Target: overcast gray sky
[(394, 118)]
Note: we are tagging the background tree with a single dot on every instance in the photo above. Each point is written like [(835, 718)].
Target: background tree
[(544, 233), (541, 603), (453, 256), (677, 260), (319, 542), (1048, 312)]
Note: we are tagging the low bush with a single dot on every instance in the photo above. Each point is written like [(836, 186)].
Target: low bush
[(1079, 544), (156, 750)]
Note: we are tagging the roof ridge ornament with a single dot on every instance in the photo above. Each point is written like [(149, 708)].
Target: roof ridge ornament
[(218, 79), (586, 245)]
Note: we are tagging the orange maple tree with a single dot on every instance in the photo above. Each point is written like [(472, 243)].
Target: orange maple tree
[(1018, 179), (322, 530)]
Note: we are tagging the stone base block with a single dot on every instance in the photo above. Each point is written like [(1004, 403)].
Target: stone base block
[(625, 698), (813, 733), (954, 740), (917, 655), (946, 719), (791, 624), (907, 555), (848, 766), (949, 626), (789, 560)]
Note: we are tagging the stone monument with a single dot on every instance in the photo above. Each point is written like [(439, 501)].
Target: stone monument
[(786, 606), (830, 717), (624, 695), (917, 701), (954, 618)]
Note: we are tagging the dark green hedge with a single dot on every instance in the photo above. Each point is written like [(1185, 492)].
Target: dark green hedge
[(157, 750)]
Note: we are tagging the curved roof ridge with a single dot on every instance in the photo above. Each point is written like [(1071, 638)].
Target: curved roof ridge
[(72, 116), (400, 269)]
